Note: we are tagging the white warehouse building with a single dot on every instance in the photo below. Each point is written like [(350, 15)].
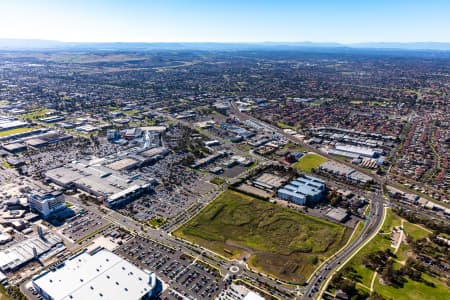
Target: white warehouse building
[(363, 151), (100, 275)]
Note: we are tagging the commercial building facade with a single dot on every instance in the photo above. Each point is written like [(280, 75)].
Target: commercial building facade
[(47, 204)]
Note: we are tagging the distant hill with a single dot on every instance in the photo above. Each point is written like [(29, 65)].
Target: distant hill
[(404, 46), (30, 44)]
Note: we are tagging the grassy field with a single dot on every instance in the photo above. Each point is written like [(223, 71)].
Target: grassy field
[(274, 239), (36, 114), (15, 130), (415, 231), (309, 162), (285, 126), (411, 289)]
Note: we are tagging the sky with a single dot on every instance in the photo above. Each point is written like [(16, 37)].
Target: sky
[(343, 21)]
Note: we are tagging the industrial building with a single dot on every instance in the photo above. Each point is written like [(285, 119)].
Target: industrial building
[(45, 139), (269, 181), (52, 119), (209, 159), (100, 274), (24, 251), (7, 123), (47, 204), (155, 153), (14, 147), (362, 151), (302, 190), (344, 171), (113, 187), (123, 164), (338, 214)]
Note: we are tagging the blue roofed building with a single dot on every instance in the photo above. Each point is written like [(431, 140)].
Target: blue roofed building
[(303, 190)]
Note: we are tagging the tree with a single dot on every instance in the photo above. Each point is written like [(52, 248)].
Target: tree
[(348, 287), (388, 273), (375, 296)]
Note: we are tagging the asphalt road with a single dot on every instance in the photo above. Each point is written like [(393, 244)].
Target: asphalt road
[(371, 227)]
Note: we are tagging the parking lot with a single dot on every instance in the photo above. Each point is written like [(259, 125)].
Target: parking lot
[(60, 154), (82, 225), (187, 277), (179, 188)]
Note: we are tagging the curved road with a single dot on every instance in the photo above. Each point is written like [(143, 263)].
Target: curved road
[(371, 227)]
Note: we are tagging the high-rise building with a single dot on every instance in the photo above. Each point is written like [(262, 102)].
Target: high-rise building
[(46, 204)]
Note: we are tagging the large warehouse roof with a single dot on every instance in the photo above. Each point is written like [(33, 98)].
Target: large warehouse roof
[(101, 275), (96, 178), (22, 252)]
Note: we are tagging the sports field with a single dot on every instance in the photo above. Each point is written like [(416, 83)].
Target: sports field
[(273, 239), (309, 162)]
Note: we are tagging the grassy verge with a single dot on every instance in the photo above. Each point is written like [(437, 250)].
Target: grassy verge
[(218, 181), (156, 222), (356, 232)]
